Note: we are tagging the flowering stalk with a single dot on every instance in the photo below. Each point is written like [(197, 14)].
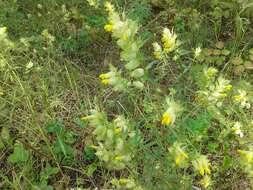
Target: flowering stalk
[(124, 30), (114, 140), (169, 116)]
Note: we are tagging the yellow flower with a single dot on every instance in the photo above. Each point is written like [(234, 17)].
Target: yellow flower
[(229, 87), (223, 95), (108, 27), (105, 81), (109, 7), (242, 99), (237, 98), (169, 40), (123, 181), (180, 157), (94, 3), (206, 181), (178, 154), (118, 130), (166, 120), (124, 37), (118, 158), (202, 165), (87, 117), (106, 77), (246, 156), (1, 93), (169, 116), (102, 76)]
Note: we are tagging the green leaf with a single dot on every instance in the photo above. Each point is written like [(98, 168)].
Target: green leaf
[(53, 128), (212, 147), (89, 153), (61, 147), (227, 162), (200, 124), (90, 169), (61, 144), (19, 154), (1, 144), (80, 123), (49, 170), (5, 135)]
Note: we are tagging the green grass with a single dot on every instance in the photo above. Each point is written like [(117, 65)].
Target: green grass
[(50, 64)]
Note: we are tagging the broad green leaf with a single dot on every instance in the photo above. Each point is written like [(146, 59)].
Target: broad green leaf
[(90, 169), (80, 123), (61, 144), (49, 170), (19, 154)]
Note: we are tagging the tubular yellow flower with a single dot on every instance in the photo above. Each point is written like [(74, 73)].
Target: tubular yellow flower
[(87, 117), (118, 130), (93, 3), (166, 120), (206, 181), (105, 81), (123, 181), (242, 99), (108, 27), (124, 37), (178, 154), (106, 77), (169, 116), (103, 76), (237, 98), (118, 158), (109, 7), (223, 95), (180, 157), (202, 165), (246, 156), (169, 40), (229, 87)]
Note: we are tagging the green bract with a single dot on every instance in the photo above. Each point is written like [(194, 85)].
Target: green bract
[(115, 140)]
